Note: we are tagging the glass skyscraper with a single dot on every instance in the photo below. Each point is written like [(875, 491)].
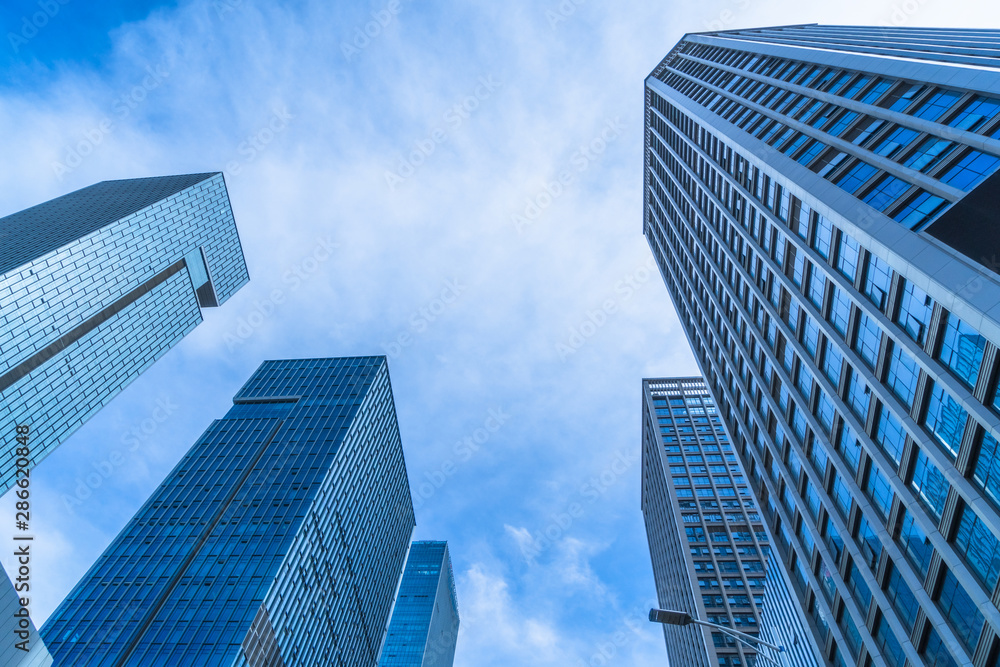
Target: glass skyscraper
[(706, 536), (98, 284), (821, 201), (424, 626), (277, 540)]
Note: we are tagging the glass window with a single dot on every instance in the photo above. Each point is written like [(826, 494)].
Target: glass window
[(849, 447), (903, 375), (922, 208), (856, 176), (889, 435), (817, 286), (929, 154), (915, 544), (870, 545), (891, 649), (840, 125), (832, 362), (858, 396), (930, 484), (971, 170), (886, 192), (936, 104), (824, 237), (987, 473), (856, 582), (847, 256), (809, 154), (962, 350), (979, 547), (906, 94), (833, 540), (976, 113), (878, 279), (915, 312), (879, 492), (868, 340), (902, 598), (841, 496), (840, 311), (961, 612), (945, 419), (895, 141)]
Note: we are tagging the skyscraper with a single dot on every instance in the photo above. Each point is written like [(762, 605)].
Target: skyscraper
[(98, 284), (277, 540), (821, 204), (424, 626), (706, 534)]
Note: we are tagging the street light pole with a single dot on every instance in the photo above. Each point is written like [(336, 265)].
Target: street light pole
[(670, 617)]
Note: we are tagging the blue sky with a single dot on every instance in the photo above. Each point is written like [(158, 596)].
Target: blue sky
[(459, 190)]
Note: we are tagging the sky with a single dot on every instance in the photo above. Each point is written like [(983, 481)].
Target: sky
[(455, 185)]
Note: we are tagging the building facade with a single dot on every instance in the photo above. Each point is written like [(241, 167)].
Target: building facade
[(98, 284), (277, 540), (821, 204), (424, 628), (706, 535)]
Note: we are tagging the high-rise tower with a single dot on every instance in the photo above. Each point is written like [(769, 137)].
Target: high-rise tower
[(277, 540), (706, 535), (98, 284), (821, 201), (424, 626)]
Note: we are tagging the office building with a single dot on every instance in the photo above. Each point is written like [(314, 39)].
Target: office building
[(424, 626), (98, 284), (821, 204), (706, 535), (277, 540)]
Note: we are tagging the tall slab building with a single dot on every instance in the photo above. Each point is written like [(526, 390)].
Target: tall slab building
[(98, 284), (424, 628), (277, 540), (821, 201), (706, 535)]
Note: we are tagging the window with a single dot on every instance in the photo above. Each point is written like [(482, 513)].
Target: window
[(915, 312), (987, 473), (935, 654), (878, 278), (903, 375), (930, 484), (832, 362), (856, 582), (856, 176), (889, 435), (868, 340), (929, 154), (902, 598), (921, 208), (849, 447), (979, 547), (971, 170), (945, 419), (891, 649), (841, 496), (962, 350), (879, 491), (858, 396), (870, 545), (895, 141), (823, 240), (934, 106), (915, 544), (840, 311), (886, 192), (976, 113), (961, 612)]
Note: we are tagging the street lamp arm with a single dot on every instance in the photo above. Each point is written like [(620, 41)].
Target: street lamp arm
[(742, 635)]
